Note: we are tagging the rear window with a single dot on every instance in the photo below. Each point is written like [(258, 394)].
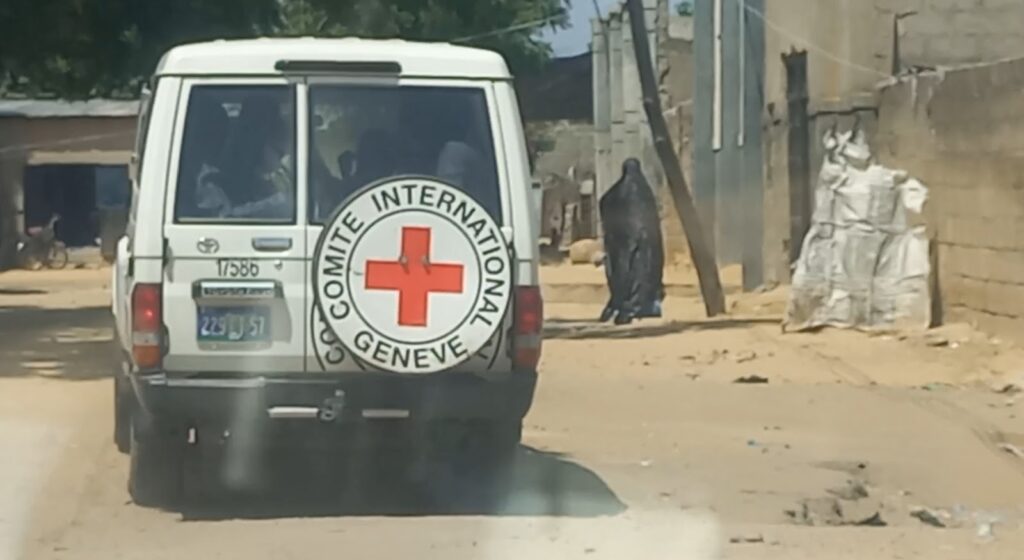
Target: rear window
[(238, 155), (360, 134)]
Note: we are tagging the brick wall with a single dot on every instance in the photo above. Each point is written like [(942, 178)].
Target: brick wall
[(962, 134)]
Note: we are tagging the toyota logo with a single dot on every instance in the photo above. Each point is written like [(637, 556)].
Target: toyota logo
[(207, 245)]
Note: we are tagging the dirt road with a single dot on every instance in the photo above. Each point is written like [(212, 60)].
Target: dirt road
[(640, 445)]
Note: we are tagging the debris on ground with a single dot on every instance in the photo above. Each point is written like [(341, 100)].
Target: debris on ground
[(751, 379), (873, 521), (818, 512), (829, 512), (1008, 389), (935, 386), (717, 355), (755, 539), (745, 356), (1012, 450), (854, 490), (936, 518)]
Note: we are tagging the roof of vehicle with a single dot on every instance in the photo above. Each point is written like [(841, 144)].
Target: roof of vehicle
[(259, 57)]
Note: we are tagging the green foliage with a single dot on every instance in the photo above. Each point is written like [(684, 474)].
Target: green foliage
[(83, 48), (685, 8)]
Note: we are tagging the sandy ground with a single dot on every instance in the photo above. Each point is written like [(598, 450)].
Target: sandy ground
[(640, 445)]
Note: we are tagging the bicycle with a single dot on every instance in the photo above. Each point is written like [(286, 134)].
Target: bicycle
[(40, 248)]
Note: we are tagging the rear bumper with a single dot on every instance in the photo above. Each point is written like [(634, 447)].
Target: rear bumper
[(232, 400)]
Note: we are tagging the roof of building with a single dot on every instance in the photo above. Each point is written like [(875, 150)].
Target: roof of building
[(59, 108), (562, 90), (259, 57)]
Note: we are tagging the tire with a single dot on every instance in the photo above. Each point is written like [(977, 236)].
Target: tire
[(57, 257), (155, 471), (123, 405)]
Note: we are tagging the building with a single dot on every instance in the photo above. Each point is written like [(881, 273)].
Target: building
[(772, 75), (66, 158)]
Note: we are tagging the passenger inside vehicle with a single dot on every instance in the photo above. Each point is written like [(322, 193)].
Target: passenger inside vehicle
[(241, 167), (384, 132)]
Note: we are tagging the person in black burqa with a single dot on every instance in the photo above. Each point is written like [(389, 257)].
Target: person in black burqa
[(634, 255)]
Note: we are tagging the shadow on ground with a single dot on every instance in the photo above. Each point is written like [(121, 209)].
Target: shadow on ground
[(21, 292), (536, 484), (72, 344), (585, 330)]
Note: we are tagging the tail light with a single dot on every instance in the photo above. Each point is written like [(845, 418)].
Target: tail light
[(147, 325), (527, 328)]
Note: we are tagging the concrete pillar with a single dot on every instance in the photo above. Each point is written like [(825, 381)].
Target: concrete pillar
[(615, 78), (753, 147), (603, 164), (728, 160), (649, 156), (703, 158), (631, 95)]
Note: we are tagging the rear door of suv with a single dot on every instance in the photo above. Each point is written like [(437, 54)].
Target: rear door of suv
[(363, 130), (234, 287)]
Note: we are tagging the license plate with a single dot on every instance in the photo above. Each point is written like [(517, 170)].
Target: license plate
[(233, 324)]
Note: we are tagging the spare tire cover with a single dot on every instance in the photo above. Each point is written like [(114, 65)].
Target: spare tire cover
[(412, 275)]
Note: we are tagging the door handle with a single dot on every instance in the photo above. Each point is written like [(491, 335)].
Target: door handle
[(272, 244)]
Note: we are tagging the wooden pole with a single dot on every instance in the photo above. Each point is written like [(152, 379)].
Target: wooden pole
[(703, 258)]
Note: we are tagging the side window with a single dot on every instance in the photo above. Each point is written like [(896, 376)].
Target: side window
[(361, 134), (237, 159), (142, 129), (135, 165)]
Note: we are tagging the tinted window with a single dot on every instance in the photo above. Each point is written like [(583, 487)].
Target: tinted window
[(361, 134), (141, 131), (238, 155)]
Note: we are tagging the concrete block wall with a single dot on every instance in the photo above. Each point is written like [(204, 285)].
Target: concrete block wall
[(962, 134), (856, 34), (950, 32)]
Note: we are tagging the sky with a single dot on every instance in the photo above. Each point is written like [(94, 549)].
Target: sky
[(576, 39)]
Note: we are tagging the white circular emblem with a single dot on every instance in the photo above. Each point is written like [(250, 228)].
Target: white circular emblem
[(412, 275)]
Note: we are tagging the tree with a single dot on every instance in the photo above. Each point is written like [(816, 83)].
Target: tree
[(685, 7), (493, 24), (84, 48)]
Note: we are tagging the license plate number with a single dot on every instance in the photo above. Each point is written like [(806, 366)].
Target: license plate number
[(233, 324), (238, 268)]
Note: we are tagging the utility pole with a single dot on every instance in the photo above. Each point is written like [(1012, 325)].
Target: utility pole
[(700, 252)]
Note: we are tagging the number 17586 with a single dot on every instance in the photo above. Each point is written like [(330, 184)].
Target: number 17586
[(238, 268)]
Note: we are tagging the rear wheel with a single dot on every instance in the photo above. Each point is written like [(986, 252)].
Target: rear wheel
[(155, 471), (57, 257)]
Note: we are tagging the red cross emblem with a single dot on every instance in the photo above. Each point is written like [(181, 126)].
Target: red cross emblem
[(414, 277)]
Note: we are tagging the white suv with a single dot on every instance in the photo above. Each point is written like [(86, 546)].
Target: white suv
[(325, 235)]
